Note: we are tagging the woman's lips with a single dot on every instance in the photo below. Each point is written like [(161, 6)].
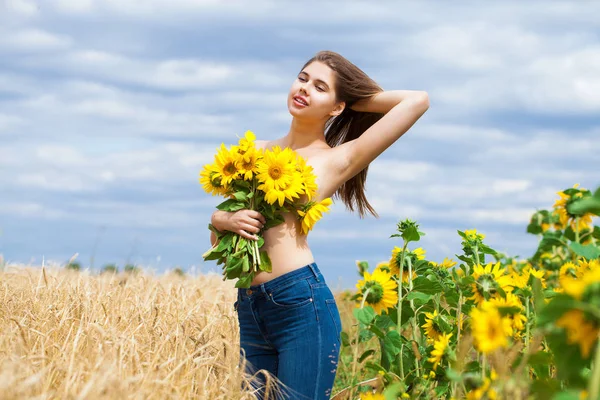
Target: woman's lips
[(299, 103)]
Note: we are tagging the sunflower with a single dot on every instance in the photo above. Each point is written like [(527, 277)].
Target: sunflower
[(247, 162), (394, 263), (246, 142), (290, 191), (576, 222), (308, 177), (579, 330), (439, 348), (312, 213), (382, 290), (484, 391), (517, 319), (432, 330), (586, 286), (225, 165), (446, 264), (473, 235), (490, 330), (488, 280), (276, 169), (210, 182)]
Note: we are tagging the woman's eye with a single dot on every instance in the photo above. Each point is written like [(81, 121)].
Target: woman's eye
[(301, 79), (320, 88)]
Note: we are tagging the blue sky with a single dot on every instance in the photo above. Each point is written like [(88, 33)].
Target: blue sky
[(109, 109)]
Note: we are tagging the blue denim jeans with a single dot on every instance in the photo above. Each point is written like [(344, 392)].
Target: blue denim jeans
[(290, 326)]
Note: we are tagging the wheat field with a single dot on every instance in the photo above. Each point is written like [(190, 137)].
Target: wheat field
[(77, 335)]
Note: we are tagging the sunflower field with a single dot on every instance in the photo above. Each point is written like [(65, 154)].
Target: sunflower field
[(483, 326)]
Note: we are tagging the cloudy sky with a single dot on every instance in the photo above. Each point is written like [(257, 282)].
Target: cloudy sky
[(109, 109)]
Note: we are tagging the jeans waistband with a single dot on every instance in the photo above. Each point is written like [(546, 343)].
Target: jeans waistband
[(309, 270)]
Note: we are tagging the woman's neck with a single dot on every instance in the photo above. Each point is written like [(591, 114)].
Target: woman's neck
[(304, 133)]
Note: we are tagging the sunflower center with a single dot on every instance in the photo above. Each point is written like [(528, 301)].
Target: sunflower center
[(275, 172), (248, 165), (215, 181), (375, 294), (229, 168), (493, 331)]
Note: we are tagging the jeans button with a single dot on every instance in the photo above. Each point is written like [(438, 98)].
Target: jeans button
[(248, 292)]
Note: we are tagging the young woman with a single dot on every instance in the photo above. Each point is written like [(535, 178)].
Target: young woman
[(289, 321)]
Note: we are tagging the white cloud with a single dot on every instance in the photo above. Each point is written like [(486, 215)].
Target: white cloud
[(30, 210), (34, 39), (20, 7)]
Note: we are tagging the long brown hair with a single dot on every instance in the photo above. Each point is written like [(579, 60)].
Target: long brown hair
[(351, 85)]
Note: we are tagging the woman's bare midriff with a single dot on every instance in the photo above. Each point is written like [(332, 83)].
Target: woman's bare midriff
[(287, 250)]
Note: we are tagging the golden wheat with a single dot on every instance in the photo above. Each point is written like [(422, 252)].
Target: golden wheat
[(74, 335)]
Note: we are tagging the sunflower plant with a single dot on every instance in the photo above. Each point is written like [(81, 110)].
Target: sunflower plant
[(490, 327), (273, 182)]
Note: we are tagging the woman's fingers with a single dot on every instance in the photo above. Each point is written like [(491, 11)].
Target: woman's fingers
[(247, 235), (258, 216), (249, 227)]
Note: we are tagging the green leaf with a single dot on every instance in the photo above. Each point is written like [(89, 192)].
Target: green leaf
[(427, 285), (589, 251), (265, 262), (568, 395), (244, 282), (544, 388), (225, 242), (411, 234), (345, 339), (245, 264), (596, 232), (392, 344), (486, 249), (366, 354), (241, 196), (555, 309), (213, 255), (271, 222), (422, 297), (376, 330), (394, 391), (584, 206), (231, 205), (364, 315), (453, 375)]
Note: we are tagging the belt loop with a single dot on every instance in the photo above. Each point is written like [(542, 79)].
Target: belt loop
[(262, 289), (314, 271)]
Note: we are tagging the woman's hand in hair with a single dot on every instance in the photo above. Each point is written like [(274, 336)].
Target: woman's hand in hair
[(246, 223)]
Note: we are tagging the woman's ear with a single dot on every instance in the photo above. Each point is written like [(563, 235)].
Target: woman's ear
[(338, 109)]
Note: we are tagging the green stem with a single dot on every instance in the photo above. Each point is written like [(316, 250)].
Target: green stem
[(458, 317), (527, 327), (399, 322), (476, 255), (362, 303), (483, 359), (594, 383), (412, 306), (577, 229)]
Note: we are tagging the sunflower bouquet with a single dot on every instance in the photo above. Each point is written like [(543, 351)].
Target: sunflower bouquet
[(271, 182)]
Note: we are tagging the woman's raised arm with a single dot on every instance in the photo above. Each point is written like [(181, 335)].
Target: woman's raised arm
[(402, 109)]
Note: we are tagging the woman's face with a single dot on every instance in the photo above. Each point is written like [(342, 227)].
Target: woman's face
[(312, 94)]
